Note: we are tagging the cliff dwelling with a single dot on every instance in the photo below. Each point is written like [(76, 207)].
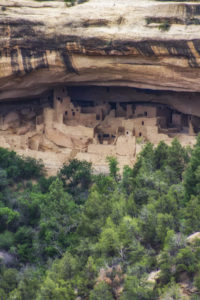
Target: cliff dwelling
[(78, 86), (72, 122)]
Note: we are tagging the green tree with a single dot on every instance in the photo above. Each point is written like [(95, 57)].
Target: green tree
[(113, 166), (164, 223), (161, 155), (174, 242), (136, 289), (148, 222), (3, 295), (192, 215), (28, 286), (192, 174), (101, 291), (9, 280), (3, 179), (76, 176), (57, 222), (127, 180), (177, 159), (8, 218), (186, 260), (24, 244), (52, 290), (18, 168), (97, 208), (109, 243), (6, 240)]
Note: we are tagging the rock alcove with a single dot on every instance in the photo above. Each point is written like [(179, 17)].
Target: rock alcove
[(92, 122), (119, 77)]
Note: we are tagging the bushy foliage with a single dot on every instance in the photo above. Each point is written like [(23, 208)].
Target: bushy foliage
[(18, 168), (100, 236)]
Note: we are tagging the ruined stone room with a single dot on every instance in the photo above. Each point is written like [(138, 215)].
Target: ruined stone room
[(91, 123)]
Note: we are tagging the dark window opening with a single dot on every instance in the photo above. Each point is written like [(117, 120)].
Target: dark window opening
[(127, 132), (106, 135), (113, 136), (58, 98), (142, 122), (145, 113), (170, 117), (121, 130), (112, 105), (66, 113), (73, 113), (140, 134)]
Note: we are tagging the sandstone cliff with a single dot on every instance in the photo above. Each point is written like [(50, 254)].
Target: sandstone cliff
[(142, 50), (107, 42)]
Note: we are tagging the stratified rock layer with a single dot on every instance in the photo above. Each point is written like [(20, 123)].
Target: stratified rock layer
[(107, 42), (122, 45)]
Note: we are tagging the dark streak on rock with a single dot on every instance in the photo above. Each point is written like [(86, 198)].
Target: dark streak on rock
[(68, 62), (196, 44), (41, 59), (39, 55), (192, 9), (18, 22), (182, 50), (26, 56), (145, 48), (175, 48), (34, 43), (14, 61), (3, 31), (23, 32)]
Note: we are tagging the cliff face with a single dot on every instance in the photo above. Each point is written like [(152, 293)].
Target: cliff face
[(141, 50), (115, 42)]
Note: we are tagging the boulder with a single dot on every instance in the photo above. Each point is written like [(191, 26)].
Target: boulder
[(193, 237)]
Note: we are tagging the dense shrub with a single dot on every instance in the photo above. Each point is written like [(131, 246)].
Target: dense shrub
[(18, 168), (100, 236)]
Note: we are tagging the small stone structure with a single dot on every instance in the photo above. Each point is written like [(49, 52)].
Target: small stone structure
[(64, 130)]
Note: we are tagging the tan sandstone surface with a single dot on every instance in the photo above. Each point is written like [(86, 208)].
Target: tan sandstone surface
[(113, 43), (105, 42), (59, 130)]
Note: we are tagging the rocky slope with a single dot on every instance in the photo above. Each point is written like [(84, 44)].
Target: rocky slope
[(113, 42)]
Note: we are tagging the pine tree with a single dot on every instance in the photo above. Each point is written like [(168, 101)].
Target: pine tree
[(192, 174)]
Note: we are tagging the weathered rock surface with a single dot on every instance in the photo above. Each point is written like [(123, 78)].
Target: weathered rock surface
[(6, 258), (105, 42), (193, 237), (102, 43)]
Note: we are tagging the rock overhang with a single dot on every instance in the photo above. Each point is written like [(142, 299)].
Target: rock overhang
[(100, 43)]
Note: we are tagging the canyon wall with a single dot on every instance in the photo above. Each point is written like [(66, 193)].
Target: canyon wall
[(115, 43), (101, 50)]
